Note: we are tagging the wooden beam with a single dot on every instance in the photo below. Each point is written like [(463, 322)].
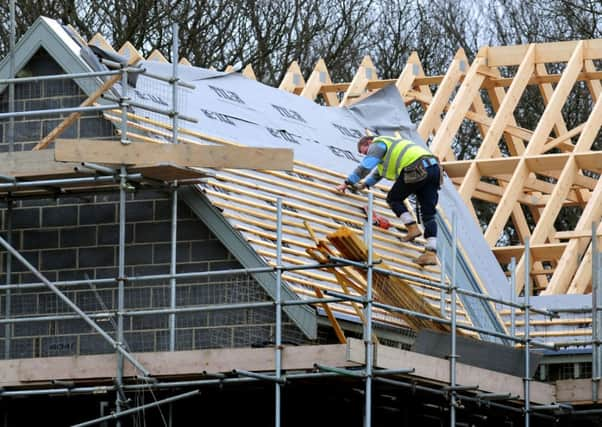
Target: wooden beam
[(582, 281), (365, 73), (553, 112), (293, 80), (57, 131), (190, 364), (576, 391), (560, 141), (129, 51), (499, 123), (540, 252), (157, 57), (576, 248), (560, 128), (432, 117), (574, 234), (545, 52), (318, 78), (101, 42), (410, 72), (469, 89), (593, 84), (90, 100), (547, 90), (587, 76), (379, 84), (431, 120), (33, 164), (190, 155), (249, 73), (430, 80), (550, 116), (544, 227), (437, 369), (515, 145), (19, 372), (497, 167), (522, 133)]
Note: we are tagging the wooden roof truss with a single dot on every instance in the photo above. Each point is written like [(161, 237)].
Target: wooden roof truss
[(526, 175)]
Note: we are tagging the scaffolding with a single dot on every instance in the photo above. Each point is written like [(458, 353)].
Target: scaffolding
[(368, 373)]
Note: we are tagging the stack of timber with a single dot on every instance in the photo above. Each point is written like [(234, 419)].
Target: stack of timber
[(390, 290)]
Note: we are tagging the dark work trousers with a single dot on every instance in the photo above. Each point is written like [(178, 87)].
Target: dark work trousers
[(427, 194)]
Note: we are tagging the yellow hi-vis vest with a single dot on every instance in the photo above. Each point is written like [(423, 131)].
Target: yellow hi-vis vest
[(400, 153)]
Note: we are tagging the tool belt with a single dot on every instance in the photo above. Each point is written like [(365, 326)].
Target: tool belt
[(416, 172)]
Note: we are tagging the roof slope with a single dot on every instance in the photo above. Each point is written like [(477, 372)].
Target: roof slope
[(235, 110), (228, 108)]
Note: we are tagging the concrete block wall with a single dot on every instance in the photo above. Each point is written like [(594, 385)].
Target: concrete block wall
[(44, 95), (74, 239)]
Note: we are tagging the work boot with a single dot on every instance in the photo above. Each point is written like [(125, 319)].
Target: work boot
[(429, 257), (412, 233)]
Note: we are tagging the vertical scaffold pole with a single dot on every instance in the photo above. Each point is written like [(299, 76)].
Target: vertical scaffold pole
[(121, 250), (11, 86), (172, 269), (595, 316), (11, 142), (174, 83), (278, 334), (173, 281), (9, 272), (174, 206), (597, 277), (442, 293), (453, 356), (527, 312), (368, 313), (513, 296), (120, 292)]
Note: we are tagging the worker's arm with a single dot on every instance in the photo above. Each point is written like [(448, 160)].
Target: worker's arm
[(373, 157), (372, 179)]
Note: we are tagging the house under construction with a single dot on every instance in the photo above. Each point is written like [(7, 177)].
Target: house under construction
[(173, 250)]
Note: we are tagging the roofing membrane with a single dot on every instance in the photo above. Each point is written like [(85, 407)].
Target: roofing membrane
[(243, 111)]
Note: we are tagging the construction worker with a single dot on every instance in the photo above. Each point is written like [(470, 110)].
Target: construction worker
[(414, 170)]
